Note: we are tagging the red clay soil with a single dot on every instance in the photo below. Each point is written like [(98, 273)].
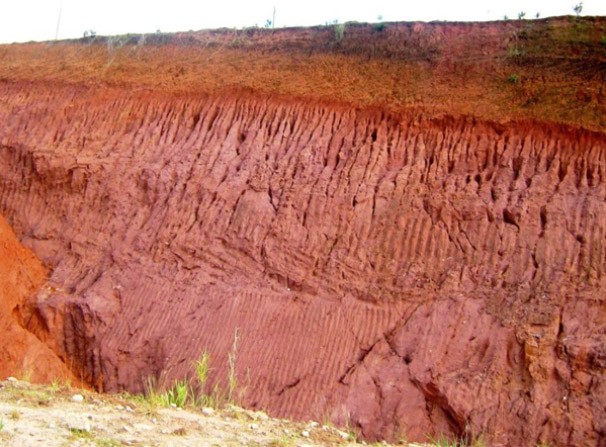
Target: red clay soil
[(410, 271), (22, 275)]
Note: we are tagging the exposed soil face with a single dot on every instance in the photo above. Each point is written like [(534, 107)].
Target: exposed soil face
[(22, 275), (408, 271)]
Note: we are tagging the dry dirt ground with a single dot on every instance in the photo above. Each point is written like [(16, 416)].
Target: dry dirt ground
[(60, 416)]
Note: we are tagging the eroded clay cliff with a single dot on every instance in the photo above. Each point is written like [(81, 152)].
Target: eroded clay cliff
[(21, 353), (409, 272)]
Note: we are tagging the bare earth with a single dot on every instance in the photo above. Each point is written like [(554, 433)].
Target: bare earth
[(33, 415)]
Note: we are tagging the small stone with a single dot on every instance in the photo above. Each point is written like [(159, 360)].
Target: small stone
[(261, 416), (314, 424), (207, 411), (305, 434), (254, 426), (77, 398), (11, 379), (126, 429), (79, 425), (343, 435), (143, 427)]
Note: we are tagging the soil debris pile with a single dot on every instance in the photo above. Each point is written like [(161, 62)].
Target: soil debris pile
[(21, 275)]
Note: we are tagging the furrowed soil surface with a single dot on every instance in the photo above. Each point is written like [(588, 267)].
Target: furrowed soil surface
[(399, 228)]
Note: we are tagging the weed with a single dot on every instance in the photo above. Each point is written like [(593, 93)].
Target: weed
[(283, 441), (1, 423), (442, 441), (58, 385), (513, 78), (217, 397), (339, 31), (231, 367), (515, 52), (178, 395), (202, 366), (152, 393), (181, 393), (14, 415), (380, 25), (352, 432), (26, 375), (578, 8), (107, 442), (79, 433), (55, 385), (603, 41), (479, 442), (352, 435), (521, 15)]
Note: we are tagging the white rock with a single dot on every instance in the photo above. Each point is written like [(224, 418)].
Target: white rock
[(143, 427), (305, 434), (207, 411), (313, 424), (11, 379), (261, 416), (254, 426), (79, 425), (77, 398), (343, 435)]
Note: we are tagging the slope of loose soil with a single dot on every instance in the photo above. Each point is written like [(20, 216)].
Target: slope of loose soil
[(22, 275), (35, 416), (401, 236)]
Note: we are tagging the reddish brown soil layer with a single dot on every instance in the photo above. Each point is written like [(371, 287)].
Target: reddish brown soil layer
[(406, 271), (552, 69), (22, 275)]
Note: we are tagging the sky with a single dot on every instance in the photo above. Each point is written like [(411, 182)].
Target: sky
[(25, 20)]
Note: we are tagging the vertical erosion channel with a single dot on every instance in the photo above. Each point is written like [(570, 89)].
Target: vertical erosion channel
[(406, 275)]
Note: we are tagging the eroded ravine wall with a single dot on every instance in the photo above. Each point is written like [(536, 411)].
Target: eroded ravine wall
[(21, 353), (403, 274)]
